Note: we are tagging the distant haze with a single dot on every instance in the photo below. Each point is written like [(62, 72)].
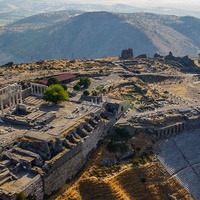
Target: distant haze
[(183, 4)]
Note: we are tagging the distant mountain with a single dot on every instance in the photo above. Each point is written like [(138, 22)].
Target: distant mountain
[(75, 34), (13, 10)]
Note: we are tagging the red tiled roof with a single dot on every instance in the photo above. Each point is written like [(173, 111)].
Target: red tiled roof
[(60, 77)]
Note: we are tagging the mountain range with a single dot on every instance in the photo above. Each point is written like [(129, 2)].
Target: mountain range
[(79, 34), (11, 11)]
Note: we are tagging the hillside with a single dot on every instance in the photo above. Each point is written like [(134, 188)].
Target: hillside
[(11, 11), (111, 183), (74, 34)]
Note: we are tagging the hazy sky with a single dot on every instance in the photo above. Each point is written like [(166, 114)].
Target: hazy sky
[(153, 3)]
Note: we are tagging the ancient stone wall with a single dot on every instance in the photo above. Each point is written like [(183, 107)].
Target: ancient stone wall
[(65, 156), (193, 123), (151, 78), (65, 172), (36, 188), (91, 141), (65, 167), (26, 93)]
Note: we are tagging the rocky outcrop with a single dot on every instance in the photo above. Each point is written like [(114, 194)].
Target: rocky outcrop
[(185, 64), (127, 54)]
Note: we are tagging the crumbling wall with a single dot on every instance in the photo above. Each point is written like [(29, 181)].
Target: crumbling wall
[(63, 158), (26, 93), (193, 123), (66, 167), (36, 188), (65, 172)]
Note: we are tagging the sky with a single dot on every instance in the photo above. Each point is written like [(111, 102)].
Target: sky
[(183, 4)]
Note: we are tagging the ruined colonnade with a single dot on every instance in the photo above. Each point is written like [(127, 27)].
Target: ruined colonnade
[(11, 96), (171, 131), (37, 89)]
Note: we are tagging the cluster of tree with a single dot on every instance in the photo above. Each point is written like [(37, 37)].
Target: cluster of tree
[(52, 81), (83, 82), (55, 92)]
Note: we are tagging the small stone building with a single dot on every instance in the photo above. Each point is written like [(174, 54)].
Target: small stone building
[(127, 54)]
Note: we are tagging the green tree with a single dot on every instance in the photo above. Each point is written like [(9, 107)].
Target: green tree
[(84, 81), (52, 81), (77, 87), (55, 94), (86, 92), (64, 86)]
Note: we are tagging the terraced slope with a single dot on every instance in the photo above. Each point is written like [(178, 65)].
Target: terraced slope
[(146, 182)]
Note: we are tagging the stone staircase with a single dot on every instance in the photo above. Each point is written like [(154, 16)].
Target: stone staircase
[(5, 175)]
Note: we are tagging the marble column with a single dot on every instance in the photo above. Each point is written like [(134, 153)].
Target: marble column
[(20, 94), (9, 99), (17, 96), (2, 109), (13, 96), (31, 89)]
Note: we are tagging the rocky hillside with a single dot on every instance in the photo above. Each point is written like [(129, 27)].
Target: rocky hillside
[(74, 34)]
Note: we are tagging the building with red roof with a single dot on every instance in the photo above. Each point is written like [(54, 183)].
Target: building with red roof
[(62, 78)]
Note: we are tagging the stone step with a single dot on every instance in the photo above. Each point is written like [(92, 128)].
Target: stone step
[(2, 170), (6, 179), (4, 163), (24, 152), (4, 174)]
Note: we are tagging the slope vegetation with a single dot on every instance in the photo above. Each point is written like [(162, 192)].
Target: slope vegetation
[(150, 181)]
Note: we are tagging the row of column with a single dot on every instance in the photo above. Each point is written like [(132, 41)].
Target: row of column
[(96, 100), (37, 89), (12, 95), (171, 130)]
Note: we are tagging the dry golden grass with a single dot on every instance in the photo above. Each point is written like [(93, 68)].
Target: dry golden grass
[(127, 183)]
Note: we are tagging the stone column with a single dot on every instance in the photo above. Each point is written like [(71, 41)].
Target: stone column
[(41, 88), (13, 96), (34, 90), (2, 109), (17, 96), (38, 92), (31, 89), (9, 99), (20, 94)]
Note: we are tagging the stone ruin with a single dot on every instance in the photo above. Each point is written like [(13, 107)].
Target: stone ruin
[(127, 54), (45, 157), (187, 64)]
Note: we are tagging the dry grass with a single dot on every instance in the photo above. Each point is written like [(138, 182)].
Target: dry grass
[(143, 182)]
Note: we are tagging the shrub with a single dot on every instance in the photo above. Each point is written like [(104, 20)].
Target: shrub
[(77, 87), (52, 81), (86, 92), (84, 81), (111, 146), (64, 86), (141, 160), (122, 132)]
